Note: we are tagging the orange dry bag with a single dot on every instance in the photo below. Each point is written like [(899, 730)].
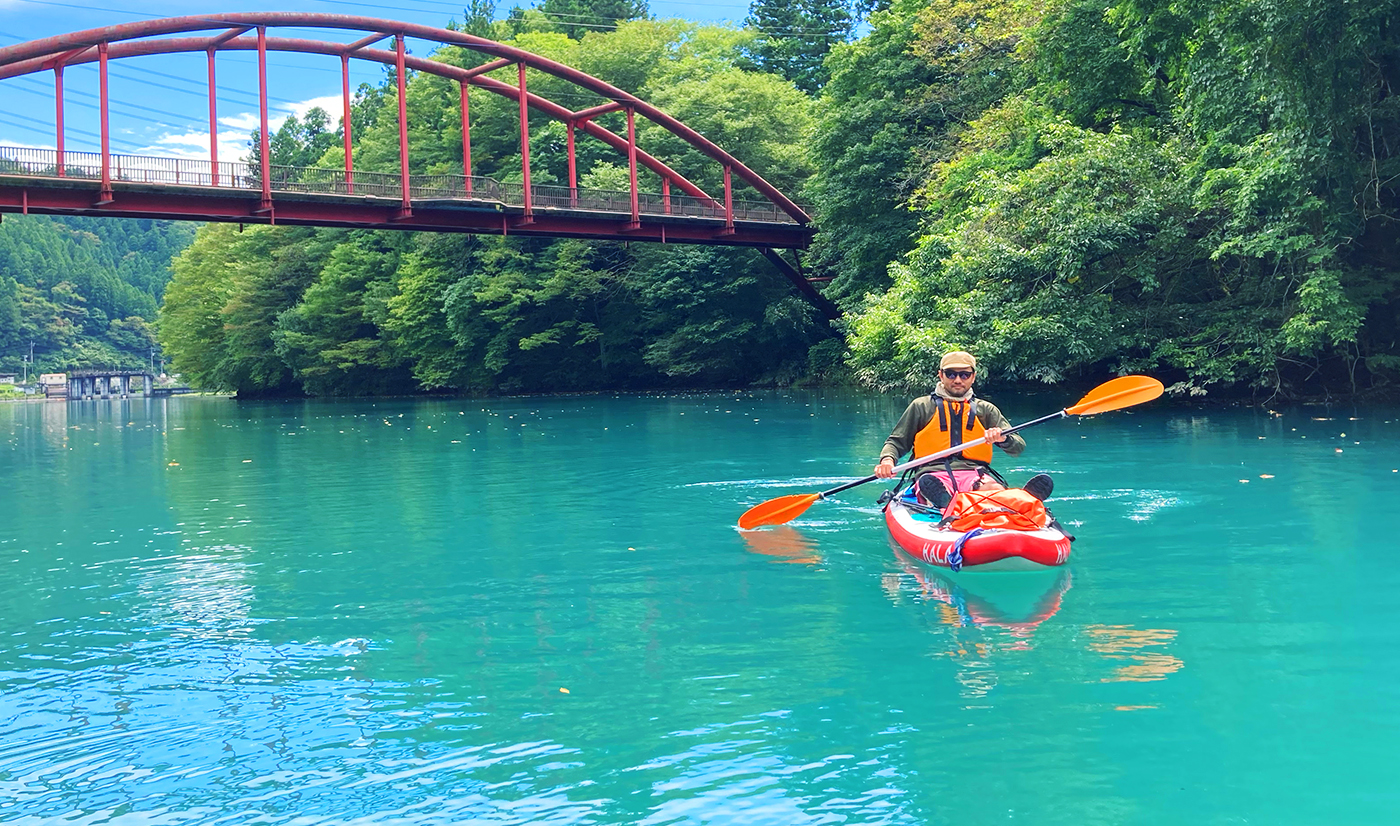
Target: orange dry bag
[(1011, 510)]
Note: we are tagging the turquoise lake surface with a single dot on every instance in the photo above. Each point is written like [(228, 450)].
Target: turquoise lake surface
[(540, 610)]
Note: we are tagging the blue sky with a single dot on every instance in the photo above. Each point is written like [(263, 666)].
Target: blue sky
[(160, 104)]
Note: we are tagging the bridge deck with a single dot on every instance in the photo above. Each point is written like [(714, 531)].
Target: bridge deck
[(32, 180)]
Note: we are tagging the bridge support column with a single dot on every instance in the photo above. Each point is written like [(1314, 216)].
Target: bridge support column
[(213, 126), (105, 196), (265, 142), (525, 148), (345, 121), (58, 113), (406, 207), (126, 386), (467, 138), (573, 168), (816, 299), (728, 200), (632, 167)]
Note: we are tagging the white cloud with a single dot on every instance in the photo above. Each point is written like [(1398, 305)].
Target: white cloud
[(17, 144), (332, 104), (232, 137), (233, 145), (246, 122)]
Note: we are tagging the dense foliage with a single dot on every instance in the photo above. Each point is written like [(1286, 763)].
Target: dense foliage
[(1070, 188), (82, 291), (1202, 190)]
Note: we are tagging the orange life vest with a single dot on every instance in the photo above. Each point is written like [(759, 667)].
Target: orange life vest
[(1012, 509), (953, 423)]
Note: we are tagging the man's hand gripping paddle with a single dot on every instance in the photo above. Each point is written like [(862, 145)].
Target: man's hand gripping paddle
[(1117, 394)]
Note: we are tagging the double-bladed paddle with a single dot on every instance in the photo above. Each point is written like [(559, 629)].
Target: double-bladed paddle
[(1117, 394)]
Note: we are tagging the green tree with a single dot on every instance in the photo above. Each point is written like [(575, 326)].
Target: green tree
[(332, 338), (760, 119), (478, 18), (577, 18), (716, 319), (298, 142), (794, 37), (870, 143)]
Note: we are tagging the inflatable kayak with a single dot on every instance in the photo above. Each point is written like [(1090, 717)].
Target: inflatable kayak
[(925, 535)]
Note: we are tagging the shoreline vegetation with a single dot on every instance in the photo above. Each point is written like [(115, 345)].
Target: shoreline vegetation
[(1071, 190)]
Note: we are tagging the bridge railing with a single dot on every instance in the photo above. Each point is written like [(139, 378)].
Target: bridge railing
[(31, 162)]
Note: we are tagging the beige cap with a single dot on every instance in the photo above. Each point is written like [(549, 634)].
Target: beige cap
[(958, 358)]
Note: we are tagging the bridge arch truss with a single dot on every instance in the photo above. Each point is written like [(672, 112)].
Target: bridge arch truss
[(64, 182)]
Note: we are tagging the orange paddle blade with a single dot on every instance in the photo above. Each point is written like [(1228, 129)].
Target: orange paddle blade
[(1124, 391), (777, 511)]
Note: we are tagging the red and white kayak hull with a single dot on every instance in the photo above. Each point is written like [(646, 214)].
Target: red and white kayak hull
[(990, 550)]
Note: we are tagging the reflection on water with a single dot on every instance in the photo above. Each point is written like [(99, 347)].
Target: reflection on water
[(1122, 643), (1006, 610), (784, 543), (1002, 604), (981, 620)]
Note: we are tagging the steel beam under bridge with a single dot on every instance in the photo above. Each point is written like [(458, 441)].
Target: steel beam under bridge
[(71, 196)]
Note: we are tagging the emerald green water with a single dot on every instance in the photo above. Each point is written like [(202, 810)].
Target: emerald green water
[(540, 611)]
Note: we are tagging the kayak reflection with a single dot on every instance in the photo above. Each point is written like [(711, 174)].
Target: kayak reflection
[(784, 544), (1018, 603)]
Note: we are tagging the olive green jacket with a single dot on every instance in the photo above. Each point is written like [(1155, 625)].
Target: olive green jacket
[(922, 410)]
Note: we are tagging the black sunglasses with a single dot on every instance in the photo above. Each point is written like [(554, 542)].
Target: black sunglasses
[(958, 374)]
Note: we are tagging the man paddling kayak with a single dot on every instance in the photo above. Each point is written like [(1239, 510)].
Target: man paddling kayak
[(949, 416)]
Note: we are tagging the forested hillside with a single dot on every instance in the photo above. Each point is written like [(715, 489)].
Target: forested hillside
[(1071, 189), (83, 291)]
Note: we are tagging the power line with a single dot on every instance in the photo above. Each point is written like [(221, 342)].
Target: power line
[(67, 130), (115, 106)]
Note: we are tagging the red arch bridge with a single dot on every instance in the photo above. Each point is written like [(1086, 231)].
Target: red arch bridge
[(58, 181)]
